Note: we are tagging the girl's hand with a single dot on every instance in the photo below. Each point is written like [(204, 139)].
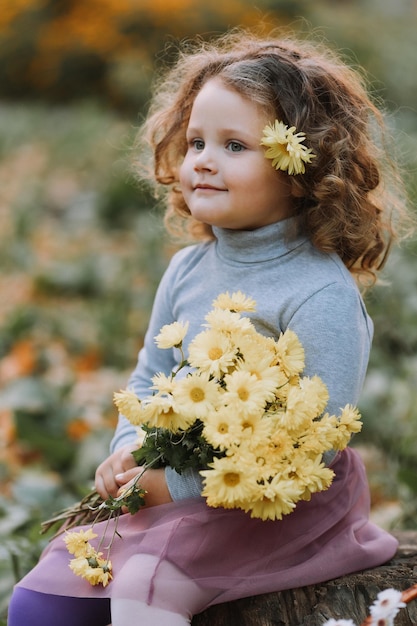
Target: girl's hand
[(152, 480), (117, 463)]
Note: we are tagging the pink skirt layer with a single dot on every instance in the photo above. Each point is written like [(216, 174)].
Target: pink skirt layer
[(227, 552)]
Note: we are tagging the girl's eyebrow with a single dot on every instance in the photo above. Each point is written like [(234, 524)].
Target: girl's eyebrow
[(226, 131)]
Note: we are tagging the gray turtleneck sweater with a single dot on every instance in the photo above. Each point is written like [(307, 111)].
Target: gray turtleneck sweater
[(294, 286)]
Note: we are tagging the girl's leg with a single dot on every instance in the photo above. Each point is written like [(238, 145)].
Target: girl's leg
[(30, 608), (135, 612), (148, 592)]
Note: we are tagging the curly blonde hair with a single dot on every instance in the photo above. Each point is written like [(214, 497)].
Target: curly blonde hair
[(347, 199)]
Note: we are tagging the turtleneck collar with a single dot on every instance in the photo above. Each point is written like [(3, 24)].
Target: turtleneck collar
[(254, 246)]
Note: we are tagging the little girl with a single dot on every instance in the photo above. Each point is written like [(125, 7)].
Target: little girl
[(265, 150)]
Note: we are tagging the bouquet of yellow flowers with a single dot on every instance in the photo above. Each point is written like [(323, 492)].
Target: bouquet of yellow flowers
[(241, 414)]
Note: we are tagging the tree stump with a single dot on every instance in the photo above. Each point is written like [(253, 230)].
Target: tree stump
[(348, 597)]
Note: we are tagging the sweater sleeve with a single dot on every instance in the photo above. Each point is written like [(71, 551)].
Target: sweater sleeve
[(336, 333), (151, 360)]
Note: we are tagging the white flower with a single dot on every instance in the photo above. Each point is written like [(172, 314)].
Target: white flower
[(386, 606), (339, 622)]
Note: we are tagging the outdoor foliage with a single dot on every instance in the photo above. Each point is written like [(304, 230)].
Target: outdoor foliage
[(64, 50), (82, 246)]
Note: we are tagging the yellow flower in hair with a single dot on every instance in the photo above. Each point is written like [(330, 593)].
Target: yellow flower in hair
[(285, 148)]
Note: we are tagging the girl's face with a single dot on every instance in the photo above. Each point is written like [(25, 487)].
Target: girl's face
[(225, 178)]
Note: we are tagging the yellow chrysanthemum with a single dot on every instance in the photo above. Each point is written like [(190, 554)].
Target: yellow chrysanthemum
[(163, 412), (347, 424), (245, 393), (197, 395), (290, 353), (319, 436), (94, 569), (310, 473), (228, 322), (282, 444), (315, 392), (171, 335), (350, 419), (228, 482), (129, 405), (269, 375), (285, 148), (162, 384), (254, 428), (222, 429), (79, 566), (276, 499), (247, 346), (78, 542), (236, 302), (100, 575), (305, 402), (268, 464), (141, 434), (298, 413), (213, 352)]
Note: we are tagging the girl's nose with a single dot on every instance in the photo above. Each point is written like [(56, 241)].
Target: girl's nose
[(205, 161)]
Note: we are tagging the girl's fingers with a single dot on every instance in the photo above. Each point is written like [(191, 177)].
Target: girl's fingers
[(124, 477), (117, 463)]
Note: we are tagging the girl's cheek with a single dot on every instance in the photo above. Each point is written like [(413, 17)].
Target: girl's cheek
[(184, 173)]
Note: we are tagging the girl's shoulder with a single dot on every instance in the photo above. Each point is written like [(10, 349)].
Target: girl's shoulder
[(189, 255)]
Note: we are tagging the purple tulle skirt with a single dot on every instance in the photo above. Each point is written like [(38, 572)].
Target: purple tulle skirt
[(233, 555)]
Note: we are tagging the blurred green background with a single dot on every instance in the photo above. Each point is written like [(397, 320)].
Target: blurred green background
[(82, 247)]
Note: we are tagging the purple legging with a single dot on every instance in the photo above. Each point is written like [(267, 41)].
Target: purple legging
[(31, 608)]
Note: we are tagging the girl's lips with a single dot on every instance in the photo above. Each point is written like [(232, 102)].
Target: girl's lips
[(207, 188)]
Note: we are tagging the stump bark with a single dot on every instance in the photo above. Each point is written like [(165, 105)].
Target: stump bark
[(348, 597)]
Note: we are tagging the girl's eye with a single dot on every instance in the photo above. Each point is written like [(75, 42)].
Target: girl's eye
[(235, 146), (197, 144)]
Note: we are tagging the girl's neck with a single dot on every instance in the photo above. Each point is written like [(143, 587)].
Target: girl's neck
[(262, 244)]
